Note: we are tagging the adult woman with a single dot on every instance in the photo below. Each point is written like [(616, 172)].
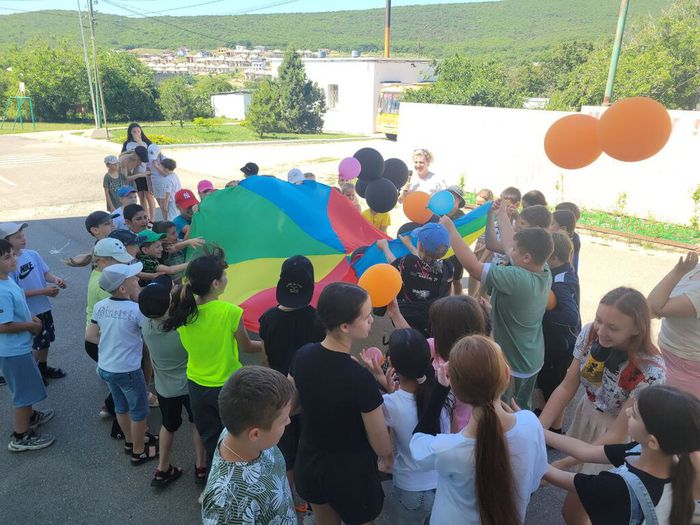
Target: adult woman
[(422, 179), (135, 137), (676, 300)]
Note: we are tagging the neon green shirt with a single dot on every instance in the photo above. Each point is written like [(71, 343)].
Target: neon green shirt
[(94, 295), (210, 343)]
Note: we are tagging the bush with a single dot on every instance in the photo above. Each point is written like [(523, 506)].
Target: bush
[(161, 140), (204, 122)]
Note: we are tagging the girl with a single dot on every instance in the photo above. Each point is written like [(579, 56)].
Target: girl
[(614, 359), (487, 471), (210, 331), (452, 318), (665, 424), (343, 428), (137, 143), (135, 137)]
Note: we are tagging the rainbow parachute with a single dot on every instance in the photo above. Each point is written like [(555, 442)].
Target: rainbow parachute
[(264, 220)]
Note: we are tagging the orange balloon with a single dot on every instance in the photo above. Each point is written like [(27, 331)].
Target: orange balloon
[(634, 129), (382, 282), (551, 301), (415, 206), (572, 141)]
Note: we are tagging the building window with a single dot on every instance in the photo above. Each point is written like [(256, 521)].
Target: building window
[(332, 96)]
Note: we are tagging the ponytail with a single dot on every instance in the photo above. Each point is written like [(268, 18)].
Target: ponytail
[(682, 483), (424, 387), (183, 309)]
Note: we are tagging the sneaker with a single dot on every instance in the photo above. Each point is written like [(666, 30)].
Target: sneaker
[(39, 417), (104, 413), (54, 373), (2, 381), (30, 441), (200, 499)]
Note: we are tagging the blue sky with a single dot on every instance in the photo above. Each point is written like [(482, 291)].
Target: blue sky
[(211, 7)]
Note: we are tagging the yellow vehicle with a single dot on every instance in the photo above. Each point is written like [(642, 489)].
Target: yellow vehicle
[(390, 95)]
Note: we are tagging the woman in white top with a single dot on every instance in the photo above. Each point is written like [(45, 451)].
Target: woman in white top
[(422, 179), (487, 472), (676, 300)]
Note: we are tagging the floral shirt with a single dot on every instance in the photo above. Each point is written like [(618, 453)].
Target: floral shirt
[(609, 378), (250, 493)]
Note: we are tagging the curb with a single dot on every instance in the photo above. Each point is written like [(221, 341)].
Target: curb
[(271, 142)]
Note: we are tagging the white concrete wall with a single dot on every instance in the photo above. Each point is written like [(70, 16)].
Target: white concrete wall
[(230, 105), (495, 147)]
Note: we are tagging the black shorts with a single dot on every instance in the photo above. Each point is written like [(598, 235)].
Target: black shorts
[(141, 184), (289, 443), (348, 482), (48, 333), (171, 411)]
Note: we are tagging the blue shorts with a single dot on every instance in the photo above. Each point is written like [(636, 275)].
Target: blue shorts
[(23, 378), (129, 392)]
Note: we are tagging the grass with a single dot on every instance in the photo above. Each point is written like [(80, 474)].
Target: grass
[(43, 126)]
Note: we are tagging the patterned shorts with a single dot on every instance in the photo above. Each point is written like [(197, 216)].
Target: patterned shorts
[(47, 335)]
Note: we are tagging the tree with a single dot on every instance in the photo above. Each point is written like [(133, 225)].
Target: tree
[(302, 102), (204, 87), (129, 87), (177, 100), (263, 112)]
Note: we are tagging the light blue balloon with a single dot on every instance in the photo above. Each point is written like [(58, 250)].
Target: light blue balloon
[(442, 202)]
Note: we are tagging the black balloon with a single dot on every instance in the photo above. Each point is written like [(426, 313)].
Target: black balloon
[(407, 228), (396, 171), (381, 195), (372, 163), (361, 187)]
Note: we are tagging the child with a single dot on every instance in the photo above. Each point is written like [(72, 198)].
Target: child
[(210, 330), (561, 323), (129, 239), (343, 427), (17, 327), (174, 250), (127, 195), (112, 181), (250, 169), (381, 221), (614, 360), (563, 221), (135, 218), (570, 206), (534, 198), (535, 216), (482, 197), (169, 360), (519, 295), (487, 471), (100, 224), (115, 329), (150, 252), (456, 213), (32, 275), (295, 176), (186, 203), (167, 187), (348, 190), (425, 275), (510, 198), (664, 425), (204, 188), (247, 483)]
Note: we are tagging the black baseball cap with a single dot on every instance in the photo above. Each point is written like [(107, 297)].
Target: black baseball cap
[(98, 217), (250, 169), (128, 238), (142, 153), (154, 299), (296, 285)]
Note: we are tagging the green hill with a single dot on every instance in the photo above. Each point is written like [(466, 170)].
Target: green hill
[(509, 29)]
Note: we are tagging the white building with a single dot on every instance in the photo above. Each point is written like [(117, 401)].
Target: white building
[(352, 86), (231, 105)]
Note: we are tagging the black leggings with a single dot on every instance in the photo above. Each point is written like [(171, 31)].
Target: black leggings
[(204, 401)]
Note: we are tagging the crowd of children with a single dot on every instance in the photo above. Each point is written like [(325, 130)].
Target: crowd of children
[(445, 409)]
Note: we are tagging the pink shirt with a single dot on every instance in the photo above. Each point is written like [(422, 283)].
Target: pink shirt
[(462, 411)]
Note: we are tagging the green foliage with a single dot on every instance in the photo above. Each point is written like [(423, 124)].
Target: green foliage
[(207, 123), (128, 86), (161, 140), (263, 112), (177, 100), (301, 102), (204, 87)]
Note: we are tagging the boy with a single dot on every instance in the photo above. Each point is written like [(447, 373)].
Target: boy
[(112, 181), (534, 198), (170, 185), (127, 195), (519, 296), (247, 482), (32, 275), (129, 239), (135, 218), (381, 221), (204, 188), (150, 253), (169, 360), (250, 169), (575, 239), (100, 224), (535, 216), (17, 326), (492, 236), (115, 328), (185, 202)]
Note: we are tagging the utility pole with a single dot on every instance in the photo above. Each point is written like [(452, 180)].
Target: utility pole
[(87, 65), (621, 21), (98, 84), (387, 30)]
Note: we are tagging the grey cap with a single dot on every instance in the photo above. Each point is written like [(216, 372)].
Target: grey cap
[(113, 276), (10, 228)]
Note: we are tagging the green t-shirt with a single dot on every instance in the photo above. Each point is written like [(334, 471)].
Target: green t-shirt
[(169, 359), (94, 295), (519, 300), (211, 344)]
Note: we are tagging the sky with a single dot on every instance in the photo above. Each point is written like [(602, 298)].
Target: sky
[(211, 7)]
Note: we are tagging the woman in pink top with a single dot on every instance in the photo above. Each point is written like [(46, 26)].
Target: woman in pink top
[(452, 318)]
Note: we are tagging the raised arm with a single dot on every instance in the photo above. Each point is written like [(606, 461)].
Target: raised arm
[(505, 225), (464, 254), (660, 303)]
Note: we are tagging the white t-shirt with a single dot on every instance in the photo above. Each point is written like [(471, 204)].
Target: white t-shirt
[(401, 415), (30, 275), (121, 346), (681, 335), (452, 455), (119, 223), (431, 184)]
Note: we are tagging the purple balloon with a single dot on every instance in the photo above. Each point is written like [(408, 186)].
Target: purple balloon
[(349, 168)]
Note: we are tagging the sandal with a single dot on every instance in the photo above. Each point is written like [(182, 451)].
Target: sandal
[(200, 475), (149, 452), (149, 439), (164, 478)]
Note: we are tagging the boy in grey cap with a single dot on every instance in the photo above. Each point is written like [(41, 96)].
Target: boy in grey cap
[(112, 181)]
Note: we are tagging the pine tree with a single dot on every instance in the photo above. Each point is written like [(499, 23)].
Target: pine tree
[(264, 111), (302, 102)]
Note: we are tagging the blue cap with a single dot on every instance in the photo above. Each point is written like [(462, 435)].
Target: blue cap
[(125, 236), (432, 236), (125, 190)]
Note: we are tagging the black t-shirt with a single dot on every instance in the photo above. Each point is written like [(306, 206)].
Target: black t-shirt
[(334, 391), (423, 281), (605, 496), (284, 332)]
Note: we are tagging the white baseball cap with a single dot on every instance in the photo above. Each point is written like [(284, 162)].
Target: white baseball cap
[(153, 152), (113, 276), (10, 228), (295, 176), (114, 248)]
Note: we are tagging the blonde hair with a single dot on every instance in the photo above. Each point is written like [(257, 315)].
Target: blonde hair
[(423, 153)]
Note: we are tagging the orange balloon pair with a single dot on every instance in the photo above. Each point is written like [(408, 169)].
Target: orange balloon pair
[(632, 129)]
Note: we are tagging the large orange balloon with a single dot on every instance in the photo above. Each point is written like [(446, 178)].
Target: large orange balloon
[(415, 206), (572, 141), (382, 282), (634, 129)]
